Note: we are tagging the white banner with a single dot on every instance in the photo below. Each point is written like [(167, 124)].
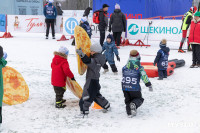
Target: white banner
[(71, 22), (32, 23), (156, 30)]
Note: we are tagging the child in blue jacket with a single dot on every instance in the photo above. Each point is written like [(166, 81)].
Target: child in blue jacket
[(110, 49), (132, 73), (162, 60), (86, 26)]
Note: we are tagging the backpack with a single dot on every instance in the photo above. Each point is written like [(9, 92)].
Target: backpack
[(96, 17)]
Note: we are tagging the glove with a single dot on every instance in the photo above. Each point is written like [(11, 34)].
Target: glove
[(73, 79), (118, 59), (150, 88), (80, 53)]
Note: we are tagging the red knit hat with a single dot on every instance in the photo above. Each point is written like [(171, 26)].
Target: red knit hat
[(134, 53)]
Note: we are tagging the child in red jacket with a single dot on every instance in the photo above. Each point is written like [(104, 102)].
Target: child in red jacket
[(60, 72)]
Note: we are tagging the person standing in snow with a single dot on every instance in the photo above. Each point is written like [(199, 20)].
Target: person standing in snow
[(162, 60), (117, 24), (58, 8), (132, 73), (50, 14), (103, 24), (91, 90), (60, 72), (194, 40), (185, 25), (3, 63), (110, 49)]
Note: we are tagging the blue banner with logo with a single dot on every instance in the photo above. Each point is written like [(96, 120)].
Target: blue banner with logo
[(2, 23), (136, 9)]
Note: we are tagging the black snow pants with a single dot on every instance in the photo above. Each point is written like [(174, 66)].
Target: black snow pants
[(0, 114), (196, 54), (102, 36), (91, 92), (50, 22), (162, 73), (117, 37), (132, 97), (59, 93), (113, 67)]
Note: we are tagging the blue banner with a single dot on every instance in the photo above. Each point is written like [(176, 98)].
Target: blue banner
[(2, 23), (136, 9)]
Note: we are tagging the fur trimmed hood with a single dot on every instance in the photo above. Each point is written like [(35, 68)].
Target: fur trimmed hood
[(60, 54)]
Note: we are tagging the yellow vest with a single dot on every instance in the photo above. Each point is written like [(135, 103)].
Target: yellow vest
[(186, 15)]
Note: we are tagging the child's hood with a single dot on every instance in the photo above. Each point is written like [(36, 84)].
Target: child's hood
[(58, 59), (165, 49)]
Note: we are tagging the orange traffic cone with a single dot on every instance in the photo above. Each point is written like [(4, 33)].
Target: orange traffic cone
[(96, 106), (72, 37), (63, 38), (8, 35)]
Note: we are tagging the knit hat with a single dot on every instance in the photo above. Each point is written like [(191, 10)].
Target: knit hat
[(96, 48), (163, 43), (197, 14), (134, 53), (105, 5), (117, 6), (83, 19), (111, 37), (63, 50), (1, 52), (51, 1), (134, 60)]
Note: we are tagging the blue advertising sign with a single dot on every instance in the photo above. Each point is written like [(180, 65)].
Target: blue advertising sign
[(28, 7), (70, 25), (2, 23), (136, 9)]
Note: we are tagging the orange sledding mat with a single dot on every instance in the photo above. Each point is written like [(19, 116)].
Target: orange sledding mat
[(82, 41), (16, 90)]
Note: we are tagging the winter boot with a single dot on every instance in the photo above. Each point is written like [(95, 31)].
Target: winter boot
[(47, 37), (63, 101), (60, 105), (82, 115), (54, 37), (198, 65), (193, 66), (160, 78), (105, 71), (106, 110), (133, 109), (181, 51)]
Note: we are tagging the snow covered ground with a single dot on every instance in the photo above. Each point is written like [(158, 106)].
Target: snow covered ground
[(173, 107)]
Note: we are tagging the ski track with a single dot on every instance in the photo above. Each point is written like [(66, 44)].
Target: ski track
[(172, 107)]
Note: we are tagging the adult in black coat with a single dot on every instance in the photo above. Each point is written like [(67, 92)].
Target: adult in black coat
[(117, 24), (58, 8), (87, 12), (103, 24)]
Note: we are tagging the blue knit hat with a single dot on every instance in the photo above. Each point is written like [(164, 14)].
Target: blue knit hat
[(111, 37), (63, 50)]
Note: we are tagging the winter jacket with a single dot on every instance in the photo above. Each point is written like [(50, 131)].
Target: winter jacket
[(132, 73), (103, 18), (194, 34), (117, 21), (59, 10), (3, 63), (110, 49), (50, 11), (94, 65), (87, 12), (162, 58), (87, 28), (60, 70)]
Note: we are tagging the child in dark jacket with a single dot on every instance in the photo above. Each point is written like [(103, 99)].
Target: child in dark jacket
[(162, 60), (85, 25), (3, 63), (60, 72), (91, 90), (132, 73), (110, 49)]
